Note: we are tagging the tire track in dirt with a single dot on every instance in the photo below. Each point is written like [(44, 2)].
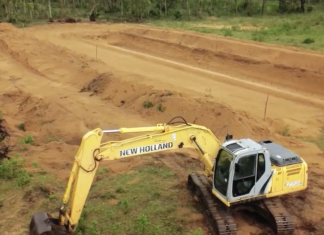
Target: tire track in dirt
[(220, 55), (227, 79)]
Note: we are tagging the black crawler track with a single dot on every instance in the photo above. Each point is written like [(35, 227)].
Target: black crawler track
[(283, 223), (220, 217)]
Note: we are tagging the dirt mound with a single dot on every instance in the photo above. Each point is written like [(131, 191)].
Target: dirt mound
[(222, 55), (6, 27), (54, 65), (98, 84), (255, 51), (31, 196), (160, 105), (41, 119)]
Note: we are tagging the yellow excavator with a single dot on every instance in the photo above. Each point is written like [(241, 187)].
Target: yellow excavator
[(238, 175)]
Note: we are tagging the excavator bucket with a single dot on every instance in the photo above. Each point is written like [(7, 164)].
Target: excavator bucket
[(42, 224)]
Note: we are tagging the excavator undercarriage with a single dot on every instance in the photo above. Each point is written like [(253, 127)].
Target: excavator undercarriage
[(220, 217)]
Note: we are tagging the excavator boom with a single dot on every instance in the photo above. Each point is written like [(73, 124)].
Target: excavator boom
[(163, 137)]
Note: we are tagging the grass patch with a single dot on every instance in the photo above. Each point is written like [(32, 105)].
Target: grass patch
[(285, 131), (27, 140), (12, 169), (297, 30), (51, 139), (24, 191), (160, 107), (148, 104), (319, 141), (146, 202), (102, 171), (21, 127), (142, 201)]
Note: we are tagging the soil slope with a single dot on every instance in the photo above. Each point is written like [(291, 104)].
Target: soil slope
[(63, 80)]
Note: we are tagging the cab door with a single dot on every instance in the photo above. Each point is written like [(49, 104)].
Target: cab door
[(243, 177)]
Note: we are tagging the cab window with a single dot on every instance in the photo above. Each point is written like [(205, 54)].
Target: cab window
[(222, 171), (261, 166), (244, 177)]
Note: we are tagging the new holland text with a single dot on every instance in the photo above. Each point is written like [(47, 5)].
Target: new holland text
[(145, 149)]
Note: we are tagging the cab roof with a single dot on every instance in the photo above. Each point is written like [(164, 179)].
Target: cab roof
[(242, 145)]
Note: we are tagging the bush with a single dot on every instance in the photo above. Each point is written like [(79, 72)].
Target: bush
[(148, 104), (259, 36), (308, 41), (12, 169), (27, 140)]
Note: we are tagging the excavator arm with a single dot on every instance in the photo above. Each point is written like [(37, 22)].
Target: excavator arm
[(162, 137)]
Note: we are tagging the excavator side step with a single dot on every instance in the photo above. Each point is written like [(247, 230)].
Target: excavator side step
[(219, 216)]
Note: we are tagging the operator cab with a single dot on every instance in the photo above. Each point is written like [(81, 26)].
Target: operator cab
[(242, 170)]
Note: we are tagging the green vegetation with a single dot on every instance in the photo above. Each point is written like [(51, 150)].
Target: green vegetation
[(12, 169), (30, 10), (51, 138), (288, 22), (148, 104), (161, 108), (298, 30), (24, 191), (21, 126), (27, 140), (102, 170), (143, 201), (286, 131), (319, 140)]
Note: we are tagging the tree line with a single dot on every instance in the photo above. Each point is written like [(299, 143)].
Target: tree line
[(29, 10)]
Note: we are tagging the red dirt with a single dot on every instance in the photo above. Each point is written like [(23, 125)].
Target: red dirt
[(52, 82)]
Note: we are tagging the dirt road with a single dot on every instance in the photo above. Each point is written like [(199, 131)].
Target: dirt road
[(207, 80)]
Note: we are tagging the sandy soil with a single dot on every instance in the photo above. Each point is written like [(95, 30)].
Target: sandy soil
[(63, 80)]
